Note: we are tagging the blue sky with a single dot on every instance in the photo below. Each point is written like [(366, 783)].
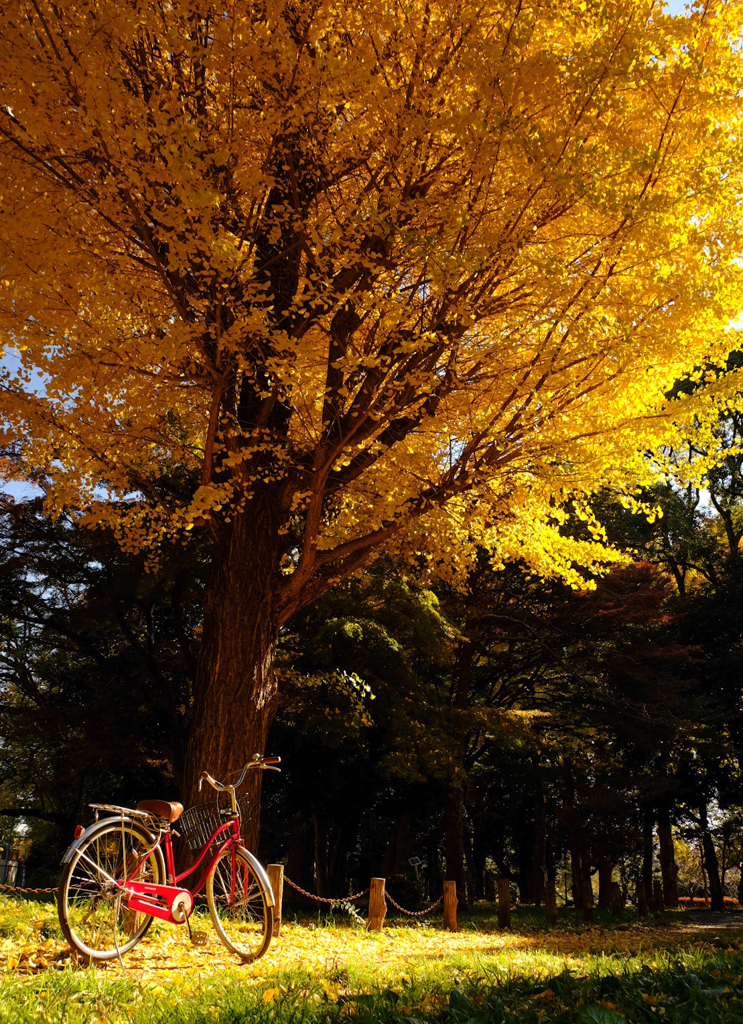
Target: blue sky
[(675, 6)]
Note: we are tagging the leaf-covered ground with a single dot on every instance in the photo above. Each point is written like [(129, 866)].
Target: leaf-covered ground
[(330, 971)]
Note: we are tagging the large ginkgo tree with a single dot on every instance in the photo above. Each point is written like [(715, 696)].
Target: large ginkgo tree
[(327, 277)]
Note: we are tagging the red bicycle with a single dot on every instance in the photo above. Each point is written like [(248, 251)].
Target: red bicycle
[(115, 879)]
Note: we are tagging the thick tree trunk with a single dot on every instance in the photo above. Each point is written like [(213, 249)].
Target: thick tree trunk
[(300, 857), (587, 886), (433, 869), (525, 859), (234, 699), (396, 854), (480, 856), (571, 818), (321, 857), (667, 857), (455, 870), (533, 852), (713, 872), (540, 847), (576, 873), (473, 882), (647, 855), (606, 881), (337, 870), (710, 862), (454, 825), (641, 898)]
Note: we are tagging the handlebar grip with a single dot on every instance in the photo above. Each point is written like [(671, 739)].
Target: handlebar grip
[(272, 760)]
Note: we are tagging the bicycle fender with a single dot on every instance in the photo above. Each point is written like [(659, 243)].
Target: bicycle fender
[(72, 848), (260, 872)]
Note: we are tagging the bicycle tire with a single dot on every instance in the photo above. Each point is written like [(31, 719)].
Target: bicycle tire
[(93, 916), (238, 905)]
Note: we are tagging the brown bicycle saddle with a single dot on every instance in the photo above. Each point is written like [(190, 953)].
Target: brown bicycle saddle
[(162, 808)]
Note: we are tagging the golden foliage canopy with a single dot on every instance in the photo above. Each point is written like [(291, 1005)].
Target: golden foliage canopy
[(396, 268)]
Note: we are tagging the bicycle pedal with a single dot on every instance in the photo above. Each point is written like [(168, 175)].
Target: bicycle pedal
[(199, 938)]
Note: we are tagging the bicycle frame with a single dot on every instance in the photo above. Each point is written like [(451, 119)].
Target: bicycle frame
[(172, 902), (234, 839)]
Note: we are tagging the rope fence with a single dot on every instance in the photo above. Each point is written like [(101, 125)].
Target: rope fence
[(17, 888), (414, 913), (324, 899), (378, 900), (377, 893)]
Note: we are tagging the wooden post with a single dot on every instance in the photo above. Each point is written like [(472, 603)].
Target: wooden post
[(504, 903), (377, 905), (550, 900), (276, 878), (450, 906)]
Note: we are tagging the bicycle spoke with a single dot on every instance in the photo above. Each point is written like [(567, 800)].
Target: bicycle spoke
[(238, 906), (97, 868), (94, 917)]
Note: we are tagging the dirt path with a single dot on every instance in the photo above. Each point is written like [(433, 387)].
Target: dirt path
[(707, 920)]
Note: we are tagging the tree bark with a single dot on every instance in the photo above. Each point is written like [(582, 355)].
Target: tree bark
[(338, 868), (454, 814), (533, 852), (473, 882), (454, 824), (606, 881), (550, 899), (710, 863), (586, 885), (667, 857), (576, 873), (395, 856), (479, 856), (433, 870), (641, 898), (571, 818), (300, 859), (540, 845), (321, 857), (647, 855), (235, 696)]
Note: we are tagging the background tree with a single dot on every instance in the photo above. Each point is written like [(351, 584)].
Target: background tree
[(96, 660), (323, 278)]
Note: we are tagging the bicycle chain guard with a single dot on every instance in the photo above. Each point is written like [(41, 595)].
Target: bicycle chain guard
[(168, 902)]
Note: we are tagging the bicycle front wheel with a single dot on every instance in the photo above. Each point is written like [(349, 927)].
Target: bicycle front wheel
[(239, 906), (92, 908)]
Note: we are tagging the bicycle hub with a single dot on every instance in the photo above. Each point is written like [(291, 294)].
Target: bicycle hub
[(181, 907)]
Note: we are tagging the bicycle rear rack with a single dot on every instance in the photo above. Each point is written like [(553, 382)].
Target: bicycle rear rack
[(125, 812)]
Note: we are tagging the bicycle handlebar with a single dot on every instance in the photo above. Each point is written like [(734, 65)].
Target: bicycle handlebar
[(256, 761)]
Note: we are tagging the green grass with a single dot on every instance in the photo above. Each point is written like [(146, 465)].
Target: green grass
[(688, 987), (572, 974)]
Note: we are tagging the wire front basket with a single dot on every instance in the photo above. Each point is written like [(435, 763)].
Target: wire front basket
[(198, 824)]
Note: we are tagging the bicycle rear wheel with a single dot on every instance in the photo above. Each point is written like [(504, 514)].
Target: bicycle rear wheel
[(93, 912), (239, 906)]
